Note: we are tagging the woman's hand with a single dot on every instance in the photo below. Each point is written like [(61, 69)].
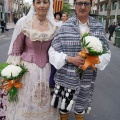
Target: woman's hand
[(77, 60)]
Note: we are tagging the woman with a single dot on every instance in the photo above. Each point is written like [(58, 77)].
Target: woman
[(29, 46), (64, 18), (57, 16)]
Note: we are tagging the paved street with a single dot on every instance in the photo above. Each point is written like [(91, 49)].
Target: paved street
[(106, 99)]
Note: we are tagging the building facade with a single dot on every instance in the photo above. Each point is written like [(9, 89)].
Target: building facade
[(11, 8), (15, 8), (1, 9), (101, 9)]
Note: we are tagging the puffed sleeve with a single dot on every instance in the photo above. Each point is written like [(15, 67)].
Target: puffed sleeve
[(18, 47)]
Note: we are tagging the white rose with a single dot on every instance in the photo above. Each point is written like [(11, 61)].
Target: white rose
[(11, 69), (95, 43)]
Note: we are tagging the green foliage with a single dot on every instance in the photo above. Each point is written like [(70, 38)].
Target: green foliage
[(13, 94), (26, 10), (85, 35), (24, 70), (83, 39), (67, 8), (2, 66)]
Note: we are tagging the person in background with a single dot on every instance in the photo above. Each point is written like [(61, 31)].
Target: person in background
[(3, 26), (53, 70), (31, 40), (15, 19), (74, 91), (111, 30), (57, 16), (64, 18)]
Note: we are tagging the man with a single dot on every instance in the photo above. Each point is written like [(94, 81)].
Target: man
[(3, 26), (73, 92), (111, 30)]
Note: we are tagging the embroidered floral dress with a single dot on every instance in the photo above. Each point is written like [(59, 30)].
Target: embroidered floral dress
[(31, 49), (3, 104)]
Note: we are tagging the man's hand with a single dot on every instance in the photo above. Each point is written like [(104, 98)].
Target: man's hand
[(77, 60)]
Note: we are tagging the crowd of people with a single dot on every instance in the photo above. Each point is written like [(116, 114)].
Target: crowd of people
[(48, 47)]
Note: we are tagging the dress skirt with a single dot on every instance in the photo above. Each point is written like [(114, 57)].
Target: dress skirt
[(34, 97), (3, 104)]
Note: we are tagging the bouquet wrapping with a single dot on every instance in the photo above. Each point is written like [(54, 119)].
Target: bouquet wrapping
[(11, 75), (92, 49)]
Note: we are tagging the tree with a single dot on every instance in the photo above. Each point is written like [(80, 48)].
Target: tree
[(26, 10), (108, 15), (97, 11), (67, 8)]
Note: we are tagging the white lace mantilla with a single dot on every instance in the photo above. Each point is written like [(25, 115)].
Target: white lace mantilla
[(36, 35)]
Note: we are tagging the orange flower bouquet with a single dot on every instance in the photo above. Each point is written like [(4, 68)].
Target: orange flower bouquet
[(11, 75), (92, 49)]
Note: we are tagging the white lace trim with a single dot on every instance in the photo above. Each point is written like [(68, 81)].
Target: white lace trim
[(36, 35), (15, 60)]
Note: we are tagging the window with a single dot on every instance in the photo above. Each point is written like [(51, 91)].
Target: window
[(114, 5), (101, 7), (106, 6)]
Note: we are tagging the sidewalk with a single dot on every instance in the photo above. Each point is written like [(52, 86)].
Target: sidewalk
[(10, 25), (112, 38)]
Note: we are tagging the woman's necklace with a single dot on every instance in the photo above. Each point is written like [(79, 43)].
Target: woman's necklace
[(41, 22)]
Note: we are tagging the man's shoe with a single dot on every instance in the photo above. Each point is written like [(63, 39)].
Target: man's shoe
[(78, 116), (64, 116)]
